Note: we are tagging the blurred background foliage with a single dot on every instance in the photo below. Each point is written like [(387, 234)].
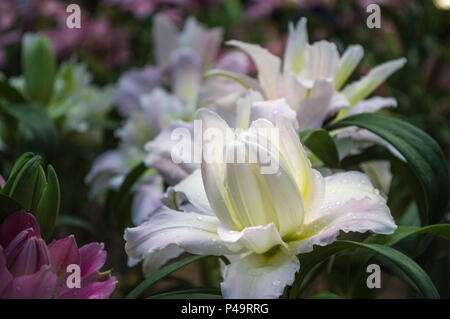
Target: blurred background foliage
[(116, 36)]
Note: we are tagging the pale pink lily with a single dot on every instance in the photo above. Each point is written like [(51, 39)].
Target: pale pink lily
[(261, 222), (311, 76)]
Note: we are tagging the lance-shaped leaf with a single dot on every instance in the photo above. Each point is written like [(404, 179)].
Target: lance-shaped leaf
[(23, 187), (38, 66), (48, 207), (420, 151), (362, 258), (136, 292), (322, 145), (409, 268), (20, 162)]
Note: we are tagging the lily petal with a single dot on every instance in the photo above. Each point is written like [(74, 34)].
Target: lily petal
[(154, 261), (268, 65), (194, 233), (296, 43), (259, 276), (352, 216), (347, 64), (313, 111), (321, 61), (360, 89), (192, 187), (258, 239), (146, 200), (166, 39), (212, 173), (308, 180), (372, 105)]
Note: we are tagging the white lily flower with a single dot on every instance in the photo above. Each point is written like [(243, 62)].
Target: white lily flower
[(312, 76), (262, 221)]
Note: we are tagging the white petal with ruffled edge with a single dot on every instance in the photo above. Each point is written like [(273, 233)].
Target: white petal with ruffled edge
[(258, 239), (192, 232), (259, 276)]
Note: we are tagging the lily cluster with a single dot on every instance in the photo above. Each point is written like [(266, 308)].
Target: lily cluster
[(260, 222)]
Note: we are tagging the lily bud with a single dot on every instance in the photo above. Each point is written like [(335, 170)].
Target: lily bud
[(38, 65)]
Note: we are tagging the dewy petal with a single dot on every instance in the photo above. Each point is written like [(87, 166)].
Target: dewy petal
[(14, 224), (296, 43), (259, 276), (350, 203), (213, 172), (372, 105), (352, 216), (271, 110), (308, 180), (39, 285), (192, 232), (321, 61), (268, 65), (192, 187), (166, 39), (347, 64), (258, 239), (360, 89)]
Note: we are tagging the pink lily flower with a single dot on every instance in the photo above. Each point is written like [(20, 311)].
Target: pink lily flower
[(29, 268)]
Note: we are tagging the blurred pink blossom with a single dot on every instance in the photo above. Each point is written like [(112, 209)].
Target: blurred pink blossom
[(31, 269)]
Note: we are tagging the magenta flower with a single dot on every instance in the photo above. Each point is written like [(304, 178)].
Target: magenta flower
[(29, 268)]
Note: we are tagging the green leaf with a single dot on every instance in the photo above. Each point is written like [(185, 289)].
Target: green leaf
[(194, 293), (22, 189), (48, 208), (10, 93), (322, 145), (324, 295), (136, 292), (38, 67), (121, 207), (420, 151), (20, 162), (35, 119), (408, 266)]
